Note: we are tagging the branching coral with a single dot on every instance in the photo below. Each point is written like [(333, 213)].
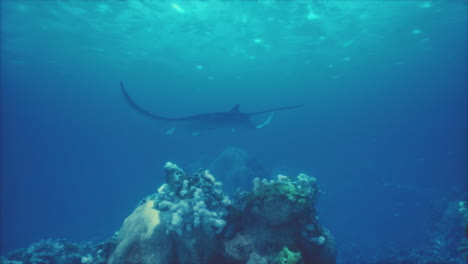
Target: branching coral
[(178, 224), (193, 202)]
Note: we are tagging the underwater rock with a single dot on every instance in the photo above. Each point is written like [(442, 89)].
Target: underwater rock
[(235, 168), (178, 224), (142, 238), (279, 214), (191, 220)]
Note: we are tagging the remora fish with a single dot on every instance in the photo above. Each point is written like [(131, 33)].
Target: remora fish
[(233, 119)]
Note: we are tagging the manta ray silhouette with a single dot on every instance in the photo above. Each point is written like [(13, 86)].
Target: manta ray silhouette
[(233, 119)]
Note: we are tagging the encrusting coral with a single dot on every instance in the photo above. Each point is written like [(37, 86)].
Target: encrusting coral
[(280, 214), (295, 198)]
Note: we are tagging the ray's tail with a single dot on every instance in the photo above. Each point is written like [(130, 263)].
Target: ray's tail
[(138, 108)]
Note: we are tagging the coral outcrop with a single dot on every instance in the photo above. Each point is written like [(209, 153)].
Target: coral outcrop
[(61, 251), (190, 220), (142, 238), (278, 217), (180, 223)]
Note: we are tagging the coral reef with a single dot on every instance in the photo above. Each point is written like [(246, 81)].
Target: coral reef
[(190, 220), (61, 251), (279, 214), (296, 197), (178, 224), (194, 202), (463, 247), (142, 238)]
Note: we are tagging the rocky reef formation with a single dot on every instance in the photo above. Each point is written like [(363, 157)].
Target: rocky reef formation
[(61, 251), (191, 220), (276, 223), (180, 223)]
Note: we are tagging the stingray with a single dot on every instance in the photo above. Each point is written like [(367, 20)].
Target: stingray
[(233, 119)]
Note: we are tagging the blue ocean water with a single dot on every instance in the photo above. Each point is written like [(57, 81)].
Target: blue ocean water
[(384, 127)]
